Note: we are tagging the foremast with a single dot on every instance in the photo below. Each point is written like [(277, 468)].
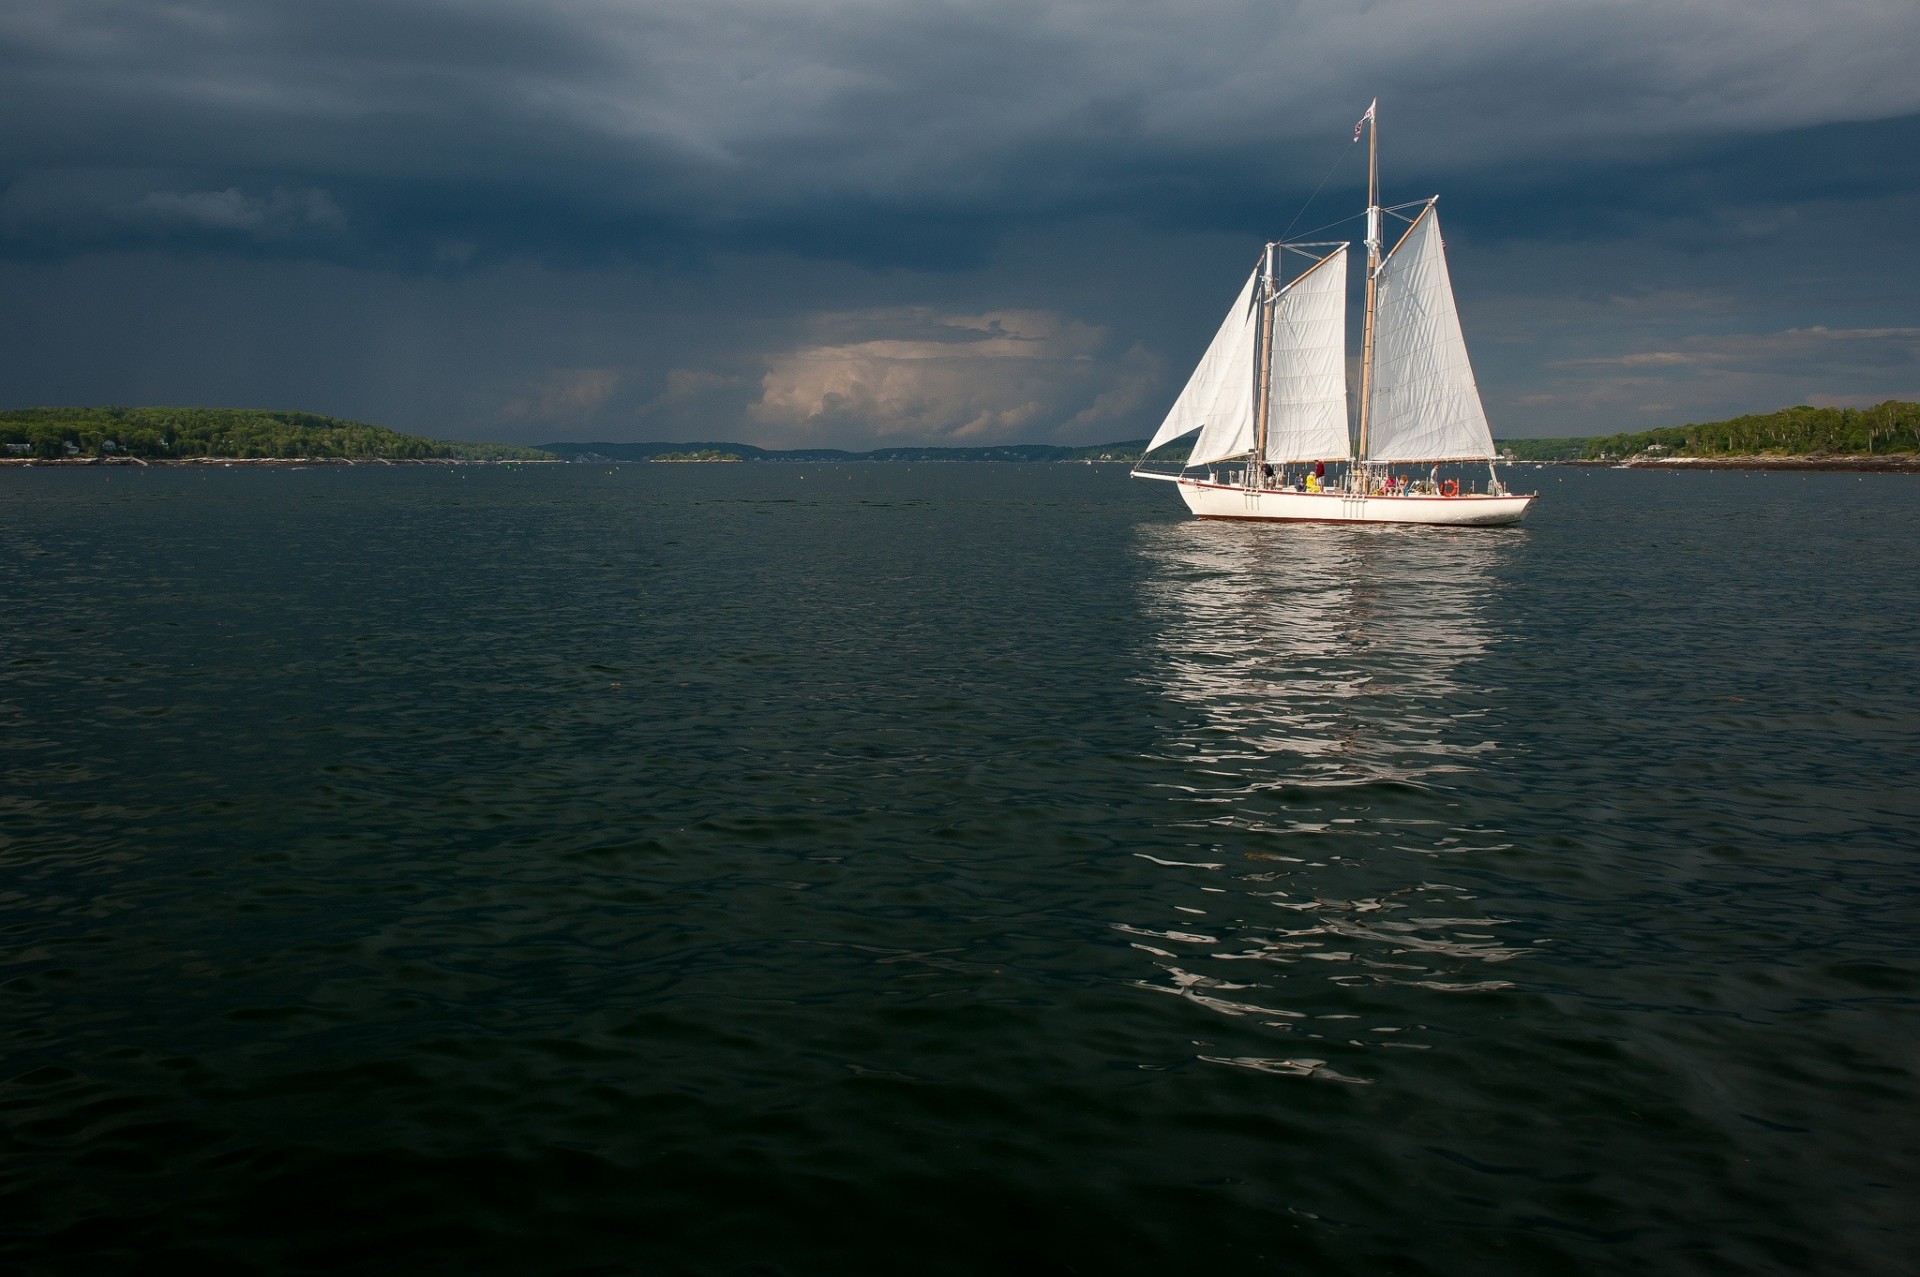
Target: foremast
[(1263, 374)]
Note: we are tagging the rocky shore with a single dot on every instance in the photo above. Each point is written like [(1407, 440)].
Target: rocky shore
[(1891, 463)]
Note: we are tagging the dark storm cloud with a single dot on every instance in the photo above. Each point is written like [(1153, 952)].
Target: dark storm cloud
[(871, 164), (548, 126)]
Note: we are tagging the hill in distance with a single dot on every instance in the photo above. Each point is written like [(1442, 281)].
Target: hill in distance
[(1891, 428), (182, 434), (602, 451), (187, 434)]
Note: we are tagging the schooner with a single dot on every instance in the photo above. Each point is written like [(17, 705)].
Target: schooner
[(1271, 389)]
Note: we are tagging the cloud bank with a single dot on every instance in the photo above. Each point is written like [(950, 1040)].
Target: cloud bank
[(880, 175)]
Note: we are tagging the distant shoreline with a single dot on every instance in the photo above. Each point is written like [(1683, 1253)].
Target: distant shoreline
[(1892, 463), (278, 461), (1901, 463)]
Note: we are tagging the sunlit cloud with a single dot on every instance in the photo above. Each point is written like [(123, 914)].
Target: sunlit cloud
[(967, 379)]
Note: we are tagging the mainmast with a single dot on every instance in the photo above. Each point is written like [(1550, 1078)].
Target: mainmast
[(1263, 376), (1372, 121)]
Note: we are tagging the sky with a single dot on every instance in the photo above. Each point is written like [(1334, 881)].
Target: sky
[(857, 223)]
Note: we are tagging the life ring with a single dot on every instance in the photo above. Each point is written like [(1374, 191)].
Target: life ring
[(1449, 487)]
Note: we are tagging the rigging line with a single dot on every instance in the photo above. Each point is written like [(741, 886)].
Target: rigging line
[(1352, 217), (1316, 190)]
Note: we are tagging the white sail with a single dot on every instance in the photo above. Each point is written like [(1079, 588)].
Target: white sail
[(1228, 414), (1424, 405), (1307, 401), (1225, 371)]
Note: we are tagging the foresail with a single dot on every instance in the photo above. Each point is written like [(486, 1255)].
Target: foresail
[(1307, 404), (1423, 405), (1229, 428), (1227, 416), (1225, 364)]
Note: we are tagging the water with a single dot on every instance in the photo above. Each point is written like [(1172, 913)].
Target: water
[(878, 869)]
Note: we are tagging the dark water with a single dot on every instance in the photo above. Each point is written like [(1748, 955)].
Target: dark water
[(882, 869)]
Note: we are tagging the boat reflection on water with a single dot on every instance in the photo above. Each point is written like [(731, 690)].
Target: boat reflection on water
[(1325, 676)]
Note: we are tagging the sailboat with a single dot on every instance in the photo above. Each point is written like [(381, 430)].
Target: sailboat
[(1269, 397)]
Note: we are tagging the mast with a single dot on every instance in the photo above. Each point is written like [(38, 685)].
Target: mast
[(1372, 121), (1263, 376)]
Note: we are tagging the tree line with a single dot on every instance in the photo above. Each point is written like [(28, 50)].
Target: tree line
[(1891, 427), (235, 433)]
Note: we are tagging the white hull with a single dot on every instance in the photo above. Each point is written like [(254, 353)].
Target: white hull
[(1230, 501)]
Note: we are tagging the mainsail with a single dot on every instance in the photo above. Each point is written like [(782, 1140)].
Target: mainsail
[(1219, 395), (1307, 402), (1424, 405)]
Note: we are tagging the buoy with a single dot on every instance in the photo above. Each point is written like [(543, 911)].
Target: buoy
[(1449, 487)]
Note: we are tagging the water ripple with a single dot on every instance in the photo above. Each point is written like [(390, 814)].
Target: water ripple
[(844, 869), (1326, 683)]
